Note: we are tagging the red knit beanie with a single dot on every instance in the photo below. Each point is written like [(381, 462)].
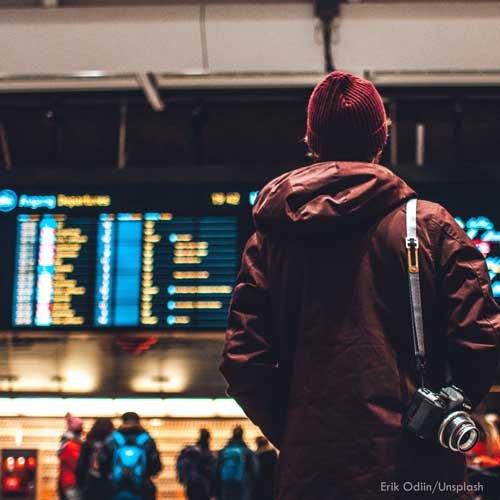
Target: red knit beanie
[(346, 119)]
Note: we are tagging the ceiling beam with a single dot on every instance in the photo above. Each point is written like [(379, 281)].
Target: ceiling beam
[(104, 3)]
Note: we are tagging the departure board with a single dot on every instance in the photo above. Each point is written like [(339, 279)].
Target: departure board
[(90, 266), (155, 257)]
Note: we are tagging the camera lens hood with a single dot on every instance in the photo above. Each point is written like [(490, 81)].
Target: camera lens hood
[(453, 438)]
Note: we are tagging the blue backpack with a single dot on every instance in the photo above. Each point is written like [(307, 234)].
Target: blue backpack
[(233, 464), (129, 465)]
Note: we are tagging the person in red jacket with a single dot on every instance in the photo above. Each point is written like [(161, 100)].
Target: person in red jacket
[(319, 346), (69, 453)]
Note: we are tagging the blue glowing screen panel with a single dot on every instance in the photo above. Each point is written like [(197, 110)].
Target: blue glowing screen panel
[(124, 270), (486, 236), (169, 261), (155, 257)]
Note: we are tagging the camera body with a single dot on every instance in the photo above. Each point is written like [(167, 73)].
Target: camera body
[(443, 416)]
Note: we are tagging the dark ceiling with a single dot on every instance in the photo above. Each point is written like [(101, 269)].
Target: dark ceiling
[(231, 135)]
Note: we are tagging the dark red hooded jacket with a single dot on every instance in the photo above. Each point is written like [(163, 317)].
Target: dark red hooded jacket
[(319, 349)]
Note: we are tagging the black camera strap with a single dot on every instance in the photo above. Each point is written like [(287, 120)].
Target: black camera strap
[(417, 322)]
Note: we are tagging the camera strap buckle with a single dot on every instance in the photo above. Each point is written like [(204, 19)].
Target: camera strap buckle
[(412, 254)]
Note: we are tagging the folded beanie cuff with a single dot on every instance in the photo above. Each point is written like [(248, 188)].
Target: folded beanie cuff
[(327, 146)]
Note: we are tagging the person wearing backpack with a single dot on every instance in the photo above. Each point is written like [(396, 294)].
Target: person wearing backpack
[(196, 468), (92, 484), (237, 469), (130, 459)]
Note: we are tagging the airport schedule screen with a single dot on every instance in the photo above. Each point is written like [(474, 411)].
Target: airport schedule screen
[(129, 257), (156, 257)]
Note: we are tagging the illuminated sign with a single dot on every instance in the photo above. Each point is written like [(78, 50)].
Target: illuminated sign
[(19, 473), (232, 198), (124, 269), (36, 202), (85, 200), (491, 236), (252, 197), (8, 200), (482, 231), (479, 223), (138, 257), (157, 257)]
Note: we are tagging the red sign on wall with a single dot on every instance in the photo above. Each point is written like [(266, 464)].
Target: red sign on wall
[(19, 469)]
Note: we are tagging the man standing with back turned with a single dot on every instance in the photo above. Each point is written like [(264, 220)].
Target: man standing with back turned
[(320, 346)]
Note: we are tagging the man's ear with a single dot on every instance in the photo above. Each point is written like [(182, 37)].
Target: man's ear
[(310, 153), (376, 158)]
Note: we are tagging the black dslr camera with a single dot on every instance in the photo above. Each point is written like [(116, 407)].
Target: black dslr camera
[(443, 416)]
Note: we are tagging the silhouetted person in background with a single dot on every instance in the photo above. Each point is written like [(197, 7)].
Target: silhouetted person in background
[(266, 458), (92, 485), (319, 347), (237, 469), (69, 453), (130, 459), (196, 468)]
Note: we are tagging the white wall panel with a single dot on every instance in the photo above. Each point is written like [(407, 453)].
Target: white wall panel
[(460, 36), (250, 37), (273, 37), (110, 39)]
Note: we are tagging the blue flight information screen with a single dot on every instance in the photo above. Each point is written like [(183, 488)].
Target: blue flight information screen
[(156, 257), (83, 261)]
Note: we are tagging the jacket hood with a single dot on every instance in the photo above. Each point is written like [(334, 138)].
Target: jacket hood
[(321, 197), (128, 429)]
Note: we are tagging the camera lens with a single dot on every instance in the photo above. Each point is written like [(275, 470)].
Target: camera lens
[(458, 432), (468, 438)]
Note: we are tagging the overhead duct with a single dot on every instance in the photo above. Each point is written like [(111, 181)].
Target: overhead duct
[(101, 80), (435, 78), (326, 11)]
